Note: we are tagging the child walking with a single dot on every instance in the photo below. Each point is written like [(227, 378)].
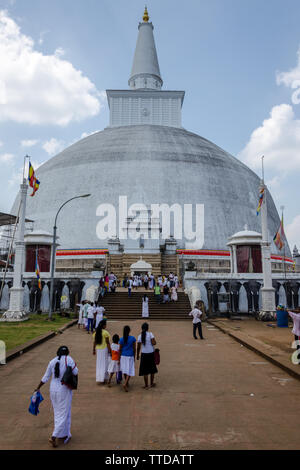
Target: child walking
[(114, 365)]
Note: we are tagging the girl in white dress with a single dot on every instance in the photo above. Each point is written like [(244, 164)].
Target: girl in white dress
[(60, 395), (145, 311), (114, 366), (174, 296)]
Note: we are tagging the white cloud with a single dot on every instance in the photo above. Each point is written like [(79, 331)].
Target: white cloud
[(7, 158), (37, 88), (53, 146), (292, 231), (278, 139), (41, 38), (291, 80), (59, 52), (16, 178), (274, 183), (29, 143)]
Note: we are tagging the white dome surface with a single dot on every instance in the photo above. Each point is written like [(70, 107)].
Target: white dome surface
[(150, 165)]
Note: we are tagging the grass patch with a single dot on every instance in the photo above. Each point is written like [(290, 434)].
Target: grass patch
[(15, 334)]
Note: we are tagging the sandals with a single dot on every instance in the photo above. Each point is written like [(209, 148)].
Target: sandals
[(53, 442)]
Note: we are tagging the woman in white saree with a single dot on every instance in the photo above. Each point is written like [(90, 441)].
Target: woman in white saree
[(61, 395)]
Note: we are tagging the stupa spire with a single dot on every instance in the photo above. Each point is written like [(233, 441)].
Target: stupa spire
[(146, 16), (145, 71)]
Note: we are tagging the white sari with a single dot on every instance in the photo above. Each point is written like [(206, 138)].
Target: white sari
[(61, 396), (145, 311)]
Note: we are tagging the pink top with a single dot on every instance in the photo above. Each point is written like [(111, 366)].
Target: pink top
[(296, 320)]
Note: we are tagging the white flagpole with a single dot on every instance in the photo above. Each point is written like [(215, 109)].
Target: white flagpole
[(16, 311), (267, 291)]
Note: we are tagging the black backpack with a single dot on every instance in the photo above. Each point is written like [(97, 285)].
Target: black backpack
[(69, 379)]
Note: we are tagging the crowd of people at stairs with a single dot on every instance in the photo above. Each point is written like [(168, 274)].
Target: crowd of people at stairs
[(110, 282), (164, 289)]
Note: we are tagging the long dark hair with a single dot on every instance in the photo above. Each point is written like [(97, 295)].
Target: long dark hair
[(145, 327), (98, 337), (145, 297), (115, 339), (62, 351), (126, 332)]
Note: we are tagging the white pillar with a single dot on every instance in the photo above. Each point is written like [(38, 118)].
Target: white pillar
[(16, 310), (235, 269), (267, 291)]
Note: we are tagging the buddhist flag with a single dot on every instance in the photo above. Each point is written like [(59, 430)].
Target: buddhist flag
[(261, 198), (33, 181), (278, 239), (37, 272)]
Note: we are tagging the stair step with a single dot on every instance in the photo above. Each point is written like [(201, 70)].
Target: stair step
[(123, 308)]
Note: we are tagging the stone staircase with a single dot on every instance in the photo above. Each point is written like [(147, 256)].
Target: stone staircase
[(119, 306)]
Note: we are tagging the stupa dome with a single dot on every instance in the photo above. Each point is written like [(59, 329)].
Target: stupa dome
[(151, 165)]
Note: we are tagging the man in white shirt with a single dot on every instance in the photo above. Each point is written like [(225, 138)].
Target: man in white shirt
[(130, 284), (196, 314), (90, 317)]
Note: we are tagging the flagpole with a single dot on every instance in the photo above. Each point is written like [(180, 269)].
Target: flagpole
[(283, 260), (262, 169), (267, 291), (16, 312), (9, 252)]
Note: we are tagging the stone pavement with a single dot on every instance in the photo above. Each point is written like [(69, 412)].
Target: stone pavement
[(265, 338), (211, 394)]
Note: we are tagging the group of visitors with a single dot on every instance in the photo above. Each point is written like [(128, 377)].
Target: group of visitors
[(90, 315), (149, 281), (107, 284), (164, 287), (119, 356), (112, 357)]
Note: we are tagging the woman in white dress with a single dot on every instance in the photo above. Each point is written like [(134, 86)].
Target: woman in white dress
[(60, 395), (99, 314), (135, 282), (80, 317), (145, 311), (151, 282), (174, 295), (102, 346)]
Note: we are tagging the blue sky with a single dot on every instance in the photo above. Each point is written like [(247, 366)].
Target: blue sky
[(237, 60)]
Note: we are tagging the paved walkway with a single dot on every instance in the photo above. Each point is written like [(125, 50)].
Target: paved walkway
[(265, 338), (212, 394)]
